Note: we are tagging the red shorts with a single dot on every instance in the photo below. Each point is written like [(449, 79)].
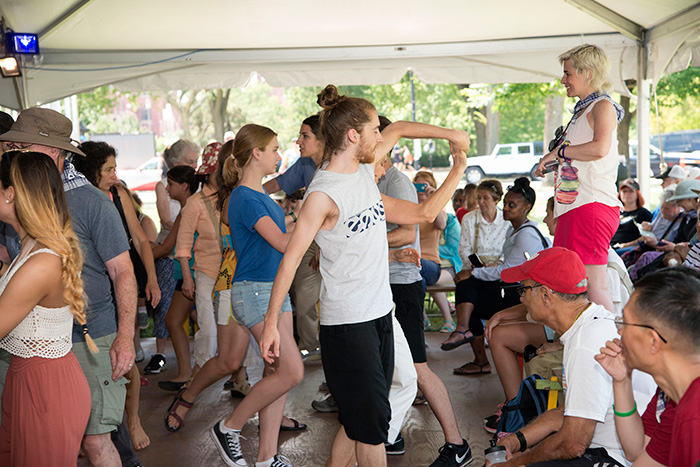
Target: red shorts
[(587, 230)]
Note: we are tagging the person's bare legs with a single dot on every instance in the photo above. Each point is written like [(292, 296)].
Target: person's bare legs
[(342, 451), (370, 455), (464, 312), (506, 341), (480, 357), (139, 438), (232, 340), (179, 309), (100, 451), (598, 286), (436, 394), (268, 395), (443, 304)]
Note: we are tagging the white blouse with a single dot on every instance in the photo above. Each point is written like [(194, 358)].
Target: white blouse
[(492, 236)]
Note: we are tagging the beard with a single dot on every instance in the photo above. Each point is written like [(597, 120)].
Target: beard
[(365, 152)]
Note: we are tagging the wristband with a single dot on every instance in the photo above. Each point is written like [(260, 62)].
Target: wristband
[(523, 442), (294, 218), (625, 414)]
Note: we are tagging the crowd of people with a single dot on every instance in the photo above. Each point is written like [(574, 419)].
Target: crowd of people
[(339, 267)]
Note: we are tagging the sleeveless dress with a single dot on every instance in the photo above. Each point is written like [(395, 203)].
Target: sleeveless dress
[(46, 399)]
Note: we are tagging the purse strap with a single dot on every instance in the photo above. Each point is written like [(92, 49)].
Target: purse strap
[(212, 214), (476, 232)]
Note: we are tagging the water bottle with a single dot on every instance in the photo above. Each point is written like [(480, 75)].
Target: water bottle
[(495, 454)]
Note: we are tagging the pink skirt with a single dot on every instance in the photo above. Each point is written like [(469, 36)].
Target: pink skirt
[(45, 410), (587, 230)]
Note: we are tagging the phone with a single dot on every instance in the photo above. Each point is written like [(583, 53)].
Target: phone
[(475, 260), (420, 187), (550, 166)]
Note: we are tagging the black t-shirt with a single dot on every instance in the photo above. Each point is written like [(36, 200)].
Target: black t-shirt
[(628, 231)]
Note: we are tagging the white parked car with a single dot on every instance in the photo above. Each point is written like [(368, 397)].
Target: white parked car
[(516, 159), (149, 172)]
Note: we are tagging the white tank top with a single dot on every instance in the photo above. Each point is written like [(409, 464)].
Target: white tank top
[(45, 332)]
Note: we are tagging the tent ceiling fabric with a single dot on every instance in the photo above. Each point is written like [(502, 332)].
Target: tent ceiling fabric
[(164, 45)]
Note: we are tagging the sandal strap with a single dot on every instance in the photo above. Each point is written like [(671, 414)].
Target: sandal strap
[(182, 402)]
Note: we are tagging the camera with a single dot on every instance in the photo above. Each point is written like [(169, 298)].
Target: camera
[(558, 138), (529, 353)]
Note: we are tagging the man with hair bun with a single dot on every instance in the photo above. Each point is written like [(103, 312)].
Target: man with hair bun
[(660, 335), (347, 216)]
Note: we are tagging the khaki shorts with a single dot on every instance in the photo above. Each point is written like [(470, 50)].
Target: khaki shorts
[(108, 396)]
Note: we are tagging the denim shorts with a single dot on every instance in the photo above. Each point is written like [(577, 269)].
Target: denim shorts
[(250, 299)]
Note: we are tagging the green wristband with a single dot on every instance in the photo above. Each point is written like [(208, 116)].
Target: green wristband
[(625, 414)]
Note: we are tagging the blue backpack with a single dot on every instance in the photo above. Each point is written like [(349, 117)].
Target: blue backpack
[(527, 405)]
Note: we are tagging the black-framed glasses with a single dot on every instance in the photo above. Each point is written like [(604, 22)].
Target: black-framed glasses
[(521, 289), (619, 322), (18, 146)]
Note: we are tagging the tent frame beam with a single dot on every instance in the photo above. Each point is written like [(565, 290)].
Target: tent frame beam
[(611, 18)]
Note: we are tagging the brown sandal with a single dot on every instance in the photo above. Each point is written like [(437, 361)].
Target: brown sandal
[(172, 412), (462, 370)]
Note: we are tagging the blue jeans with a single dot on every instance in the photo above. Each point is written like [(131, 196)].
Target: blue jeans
[(250, 300), (430, 272)]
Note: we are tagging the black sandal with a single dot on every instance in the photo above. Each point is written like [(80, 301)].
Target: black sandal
[(453, 345)]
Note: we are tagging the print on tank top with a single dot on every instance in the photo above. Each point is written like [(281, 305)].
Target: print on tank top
[(364, 220)]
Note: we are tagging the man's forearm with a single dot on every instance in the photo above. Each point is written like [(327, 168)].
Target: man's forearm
[(126, 293), (402, 236)]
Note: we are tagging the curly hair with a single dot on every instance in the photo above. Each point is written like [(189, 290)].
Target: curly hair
[(96, 154)]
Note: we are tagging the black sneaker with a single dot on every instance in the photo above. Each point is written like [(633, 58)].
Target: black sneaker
[(491, 422), (156, 365), (452, 455), (397, 448), (229, 446), (325, 405), (280, 461)]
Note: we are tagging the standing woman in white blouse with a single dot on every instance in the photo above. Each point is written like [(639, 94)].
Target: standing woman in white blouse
[(484, 233), (46, 398)]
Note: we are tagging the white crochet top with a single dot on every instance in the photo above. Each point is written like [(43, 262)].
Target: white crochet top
[(45, 332)]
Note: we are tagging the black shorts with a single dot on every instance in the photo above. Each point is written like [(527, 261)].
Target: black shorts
[(592, 457), (409, 300), (358, 361), (488, 298)]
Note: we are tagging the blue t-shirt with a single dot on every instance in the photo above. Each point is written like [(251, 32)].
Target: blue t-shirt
[(297, 176), (256, 259)]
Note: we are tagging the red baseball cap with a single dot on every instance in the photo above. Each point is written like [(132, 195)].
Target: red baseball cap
[(558, 268)]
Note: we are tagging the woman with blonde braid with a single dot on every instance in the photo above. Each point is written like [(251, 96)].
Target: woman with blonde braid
[(46, 396)]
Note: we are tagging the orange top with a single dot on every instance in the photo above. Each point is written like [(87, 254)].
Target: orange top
[(196, 217)]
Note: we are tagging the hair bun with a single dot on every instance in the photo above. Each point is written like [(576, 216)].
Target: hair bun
[(329, 98), (522, 182)]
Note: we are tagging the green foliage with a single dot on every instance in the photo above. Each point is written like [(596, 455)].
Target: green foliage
[(675, 88), (96, 110)]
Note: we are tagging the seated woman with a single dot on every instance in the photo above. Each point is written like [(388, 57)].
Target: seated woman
[(46, 396), (450, 263), (633, 213), (483, 234), (480, 290)]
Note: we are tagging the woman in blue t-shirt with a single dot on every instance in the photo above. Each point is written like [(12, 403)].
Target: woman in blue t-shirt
[(259, 239)]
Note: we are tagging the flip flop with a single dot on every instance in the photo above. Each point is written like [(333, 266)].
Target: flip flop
[(462, 370), (298, 426), (446, 346)]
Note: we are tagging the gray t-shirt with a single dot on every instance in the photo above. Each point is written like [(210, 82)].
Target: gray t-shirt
[(102, 237), (354, 261), (397, 185)]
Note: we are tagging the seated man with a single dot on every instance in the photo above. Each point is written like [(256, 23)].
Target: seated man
[(582, 431), (660, 330)]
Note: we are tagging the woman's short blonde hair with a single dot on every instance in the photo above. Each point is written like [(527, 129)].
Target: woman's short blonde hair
[(590, 58)]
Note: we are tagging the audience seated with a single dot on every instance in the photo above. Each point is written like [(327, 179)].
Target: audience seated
[(633, 213)]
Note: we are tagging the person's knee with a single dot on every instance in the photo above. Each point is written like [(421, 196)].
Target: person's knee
[(97, 445), (227, 364)]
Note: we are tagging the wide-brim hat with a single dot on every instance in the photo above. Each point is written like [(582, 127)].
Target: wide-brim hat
[(686, 189), (42, 126), (210, 158), (558, 268)]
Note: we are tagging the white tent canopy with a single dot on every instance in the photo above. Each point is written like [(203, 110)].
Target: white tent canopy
[(174, 44)]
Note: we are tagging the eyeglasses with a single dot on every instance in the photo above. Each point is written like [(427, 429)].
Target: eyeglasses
[(15, 145), (524, 288), (619, 322)]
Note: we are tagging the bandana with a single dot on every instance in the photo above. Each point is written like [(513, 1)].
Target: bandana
[(580, 105), (72, 178)]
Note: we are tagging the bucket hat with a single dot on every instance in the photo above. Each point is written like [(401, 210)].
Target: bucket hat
[(42, 126)]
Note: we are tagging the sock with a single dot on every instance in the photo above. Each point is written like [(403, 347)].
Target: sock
[(266, 463), (225, 429), (142, 309)]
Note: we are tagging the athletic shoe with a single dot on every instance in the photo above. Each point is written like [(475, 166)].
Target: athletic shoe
[(140, 356), (240, 389), (229, 446), (397, 448), (280, 461), (491, 422), (310, 355), (325, 405), (323, 387), (156, 365), (453, 455)]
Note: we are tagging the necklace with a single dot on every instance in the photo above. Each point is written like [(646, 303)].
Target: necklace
[(22, 239)]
